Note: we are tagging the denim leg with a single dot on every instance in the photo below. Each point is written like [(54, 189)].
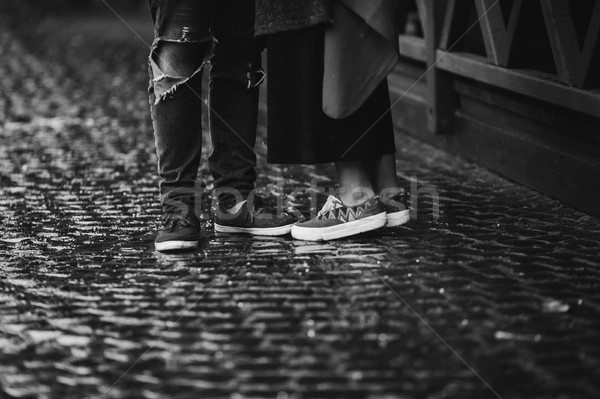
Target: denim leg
[(182, 40), (234, 79)]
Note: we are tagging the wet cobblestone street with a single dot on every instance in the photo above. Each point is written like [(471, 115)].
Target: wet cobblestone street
[(499, 297)]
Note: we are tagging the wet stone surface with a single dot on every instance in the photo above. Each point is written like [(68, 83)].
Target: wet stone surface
[(498, 297)]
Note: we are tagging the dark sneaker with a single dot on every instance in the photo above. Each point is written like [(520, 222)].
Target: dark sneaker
[(397, 210), (336, 220), (259, 222), (180, 230)]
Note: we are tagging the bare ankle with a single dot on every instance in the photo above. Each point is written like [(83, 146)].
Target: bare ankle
[(387, 193), (355, 197)]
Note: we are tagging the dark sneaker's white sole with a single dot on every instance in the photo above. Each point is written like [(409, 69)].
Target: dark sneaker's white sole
[(255, 231), (398, 218), (175, 245), (341, 230)]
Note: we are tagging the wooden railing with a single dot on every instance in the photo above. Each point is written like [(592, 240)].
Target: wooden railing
[(544, 49)]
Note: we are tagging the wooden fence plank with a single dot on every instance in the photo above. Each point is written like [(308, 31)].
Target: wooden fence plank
[(570, 62), (498, 36), (422, 9), (530, 83), (452, 22), (591, 48), (441, 99)]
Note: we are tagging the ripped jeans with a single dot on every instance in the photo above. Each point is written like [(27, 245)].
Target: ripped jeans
[(176, 104)]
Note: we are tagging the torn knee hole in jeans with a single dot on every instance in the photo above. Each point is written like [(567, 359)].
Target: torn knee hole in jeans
[(166, 85)]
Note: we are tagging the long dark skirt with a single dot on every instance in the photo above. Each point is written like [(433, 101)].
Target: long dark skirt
[(298, 129)]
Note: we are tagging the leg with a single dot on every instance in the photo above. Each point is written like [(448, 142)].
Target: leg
[(176, 61), (176, 116), (384, 177), (355, 181), (180, 45), (234, 79), (391, 194)]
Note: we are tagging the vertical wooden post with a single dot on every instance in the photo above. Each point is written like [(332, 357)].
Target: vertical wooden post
[(440, 97)]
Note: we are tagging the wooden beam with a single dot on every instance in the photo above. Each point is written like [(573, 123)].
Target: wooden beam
[(591, 48), (529, 83), (412, 47), (455, 23), (441, 100), (422, 10), (497, 36), (573, 63)]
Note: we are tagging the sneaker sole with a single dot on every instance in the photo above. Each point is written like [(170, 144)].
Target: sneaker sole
[(268, 231), (398, 218), (175, 245), (341, 230)]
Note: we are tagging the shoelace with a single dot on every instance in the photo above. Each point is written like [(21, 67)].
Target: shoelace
[(329, 206), (177, 214)]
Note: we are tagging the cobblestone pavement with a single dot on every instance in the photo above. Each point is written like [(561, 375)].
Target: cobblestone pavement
[(497, 298)]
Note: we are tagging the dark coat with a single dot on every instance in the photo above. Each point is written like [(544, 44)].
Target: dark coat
[(273, 16)]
